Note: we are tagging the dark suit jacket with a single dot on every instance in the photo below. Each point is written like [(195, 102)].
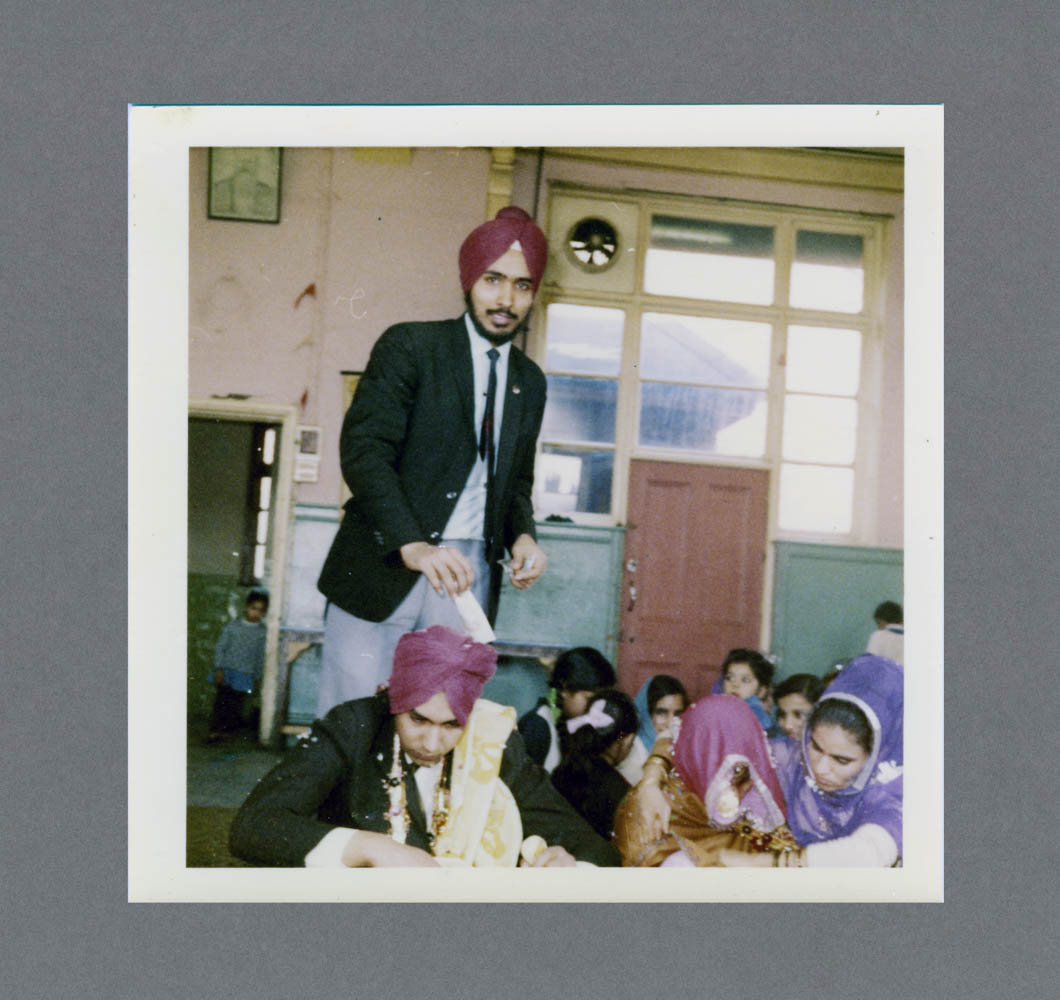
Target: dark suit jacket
[(408, 444), (335, 778)]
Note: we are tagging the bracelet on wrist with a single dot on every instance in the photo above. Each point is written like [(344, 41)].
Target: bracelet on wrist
[(666, 765)]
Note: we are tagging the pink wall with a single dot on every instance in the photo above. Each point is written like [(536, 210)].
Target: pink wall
[(378, 239), (379, 242)]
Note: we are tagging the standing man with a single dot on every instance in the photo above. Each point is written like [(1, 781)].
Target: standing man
[(438, 449)]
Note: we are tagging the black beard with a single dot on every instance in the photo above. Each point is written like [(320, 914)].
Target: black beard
[(497, 339)]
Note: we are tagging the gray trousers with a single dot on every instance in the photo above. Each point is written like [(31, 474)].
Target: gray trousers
[(358, 654)]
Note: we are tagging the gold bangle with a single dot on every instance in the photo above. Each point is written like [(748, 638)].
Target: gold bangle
[(667, 765)]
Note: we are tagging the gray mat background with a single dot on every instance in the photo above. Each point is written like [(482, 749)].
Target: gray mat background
[(68, 72)]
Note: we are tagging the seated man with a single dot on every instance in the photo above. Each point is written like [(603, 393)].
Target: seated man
[(423, 773)]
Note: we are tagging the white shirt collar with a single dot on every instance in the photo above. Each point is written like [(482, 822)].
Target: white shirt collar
[(481, 345)]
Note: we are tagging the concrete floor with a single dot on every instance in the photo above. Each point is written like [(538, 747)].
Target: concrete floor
[(223, 774), (220, 776)]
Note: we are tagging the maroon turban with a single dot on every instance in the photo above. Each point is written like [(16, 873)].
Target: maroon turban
[(439, 659), (492, 239)]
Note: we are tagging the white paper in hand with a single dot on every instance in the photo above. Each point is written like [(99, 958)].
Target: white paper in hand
[(476, 624)]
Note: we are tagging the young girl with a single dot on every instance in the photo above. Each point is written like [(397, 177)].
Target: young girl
[(659, 702), (795, 697), (844, 789), (720, 792), (576, 677), (747, 674), (598, 741)]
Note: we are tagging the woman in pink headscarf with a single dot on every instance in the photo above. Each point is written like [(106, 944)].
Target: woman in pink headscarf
[(721, 791)]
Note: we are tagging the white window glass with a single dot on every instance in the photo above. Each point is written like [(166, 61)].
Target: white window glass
[(828, 272), (580, 409), (817, 498), (820, 429), (265, 494), (268, 447), (823, 360), (584, 340), (571, 480), (694, 258), (722, 352), (719, 421)]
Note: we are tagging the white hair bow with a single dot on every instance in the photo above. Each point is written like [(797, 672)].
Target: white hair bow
[(595, 717)]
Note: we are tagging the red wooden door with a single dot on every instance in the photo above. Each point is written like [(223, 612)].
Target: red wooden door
[(692, 579)]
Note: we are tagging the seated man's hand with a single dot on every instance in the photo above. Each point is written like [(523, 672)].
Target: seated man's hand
[(528, 562), (377, 850), (448, 571), (552, 857)]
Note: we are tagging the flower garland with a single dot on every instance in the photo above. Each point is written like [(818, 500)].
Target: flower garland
[(398, 809)]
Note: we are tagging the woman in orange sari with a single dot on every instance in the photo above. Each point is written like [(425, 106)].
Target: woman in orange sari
[(719, 792)]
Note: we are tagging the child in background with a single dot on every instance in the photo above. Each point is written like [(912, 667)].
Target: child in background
[(239, 659), (888, 640), (598, 741), (795, 697), (578, 674), (747, 674)]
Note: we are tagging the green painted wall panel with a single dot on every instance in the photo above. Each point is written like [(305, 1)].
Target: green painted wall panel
[(575, 603), (823, 599)]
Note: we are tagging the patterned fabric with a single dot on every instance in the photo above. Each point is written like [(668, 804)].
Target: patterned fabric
[(875, 685), (719, 735), (484, 827), (689, 831)]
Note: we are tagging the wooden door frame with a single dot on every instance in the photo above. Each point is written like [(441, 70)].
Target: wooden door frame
[(283, 508)]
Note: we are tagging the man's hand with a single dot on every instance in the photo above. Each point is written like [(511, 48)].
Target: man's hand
[(448, 571), (365, 849), (219, 677), (552, 857), (528, 562)]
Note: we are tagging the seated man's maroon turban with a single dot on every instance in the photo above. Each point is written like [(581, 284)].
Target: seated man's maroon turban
[(439, 659), (492, 239)]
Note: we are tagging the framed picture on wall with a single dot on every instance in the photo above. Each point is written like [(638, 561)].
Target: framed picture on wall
[(244, 183)]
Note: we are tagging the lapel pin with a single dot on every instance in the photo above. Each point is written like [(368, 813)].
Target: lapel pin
[(515, 390)]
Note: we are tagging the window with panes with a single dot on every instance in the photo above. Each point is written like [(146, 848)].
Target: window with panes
[(742, 342)]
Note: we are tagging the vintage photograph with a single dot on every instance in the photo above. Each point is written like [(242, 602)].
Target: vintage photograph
[(605, 560)]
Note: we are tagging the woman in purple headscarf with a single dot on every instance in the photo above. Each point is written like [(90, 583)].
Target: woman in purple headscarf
[(843, 786)]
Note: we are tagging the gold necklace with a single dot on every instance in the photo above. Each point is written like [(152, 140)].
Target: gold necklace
[(398, 809)]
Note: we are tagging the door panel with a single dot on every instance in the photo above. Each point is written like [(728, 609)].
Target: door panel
[(695, 551)]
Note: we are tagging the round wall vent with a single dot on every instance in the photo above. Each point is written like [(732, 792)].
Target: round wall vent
[(592, 244)]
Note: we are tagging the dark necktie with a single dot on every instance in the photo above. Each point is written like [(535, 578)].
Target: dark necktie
[(486, 448)]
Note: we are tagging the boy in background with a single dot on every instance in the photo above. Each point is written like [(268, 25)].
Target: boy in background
[(888, 640), (239, 659)]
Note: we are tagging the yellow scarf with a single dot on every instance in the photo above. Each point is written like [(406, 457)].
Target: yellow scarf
[(484, 828)]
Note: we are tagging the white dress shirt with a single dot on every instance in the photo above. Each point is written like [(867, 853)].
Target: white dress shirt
[(468, 517)]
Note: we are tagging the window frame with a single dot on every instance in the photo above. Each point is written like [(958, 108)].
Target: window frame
[(786, 221)]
